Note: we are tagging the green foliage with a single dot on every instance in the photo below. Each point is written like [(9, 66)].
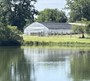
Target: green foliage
[(19, 12), (51, 15), (88, 28), (78, 9), (85, 28), (10, 35), (79, 30), (3, 14)]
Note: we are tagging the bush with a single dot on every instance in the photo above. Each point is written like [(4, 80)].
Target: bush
[(88, 29), (10, 43), (10, 36)]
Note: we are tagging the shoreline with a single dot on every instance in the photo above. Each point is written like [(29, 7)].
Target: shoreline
[(65, 40), (72, 44)]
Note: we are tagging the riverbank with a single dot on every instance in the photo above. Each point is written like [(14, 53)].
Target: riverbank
[(64, 40)]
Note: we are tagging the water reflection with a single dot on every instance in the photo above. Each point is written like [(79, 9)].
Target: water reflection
[(13, 66), (47, 54), (38, 64), (80, 66)]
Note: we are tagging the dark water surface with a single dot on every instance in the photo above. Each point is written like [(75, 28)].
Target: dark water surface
[(44, 64)]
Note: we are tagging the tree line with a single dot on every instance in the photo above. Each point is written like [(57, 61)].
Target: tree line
[(79, 12), (15, 14), (20, 12), (52, 15)]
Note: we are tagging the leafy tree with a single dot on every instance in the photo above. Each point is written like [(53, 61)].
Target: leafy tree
[(51, 15), (79, 30), (78, 9), (19, 12), (3, 14), (88, 28), (9, 35)]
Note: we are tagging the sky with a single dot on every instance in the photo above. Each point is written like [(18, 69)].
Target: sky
[(52, 4)]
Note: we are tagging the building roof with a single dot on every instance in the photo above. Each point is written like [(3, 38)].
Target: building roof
[(36, 27), (47, 25), (57, 25)]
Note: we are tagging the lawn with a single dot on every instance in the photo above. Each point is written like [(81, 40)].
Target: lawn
[(74, 39)]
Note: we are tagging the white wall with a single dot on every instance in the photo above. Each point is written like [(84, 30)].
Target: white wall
[(60, 31)]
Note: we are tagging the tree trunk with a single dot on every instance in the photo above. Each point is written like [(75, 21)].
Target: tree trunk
[(83, 36)]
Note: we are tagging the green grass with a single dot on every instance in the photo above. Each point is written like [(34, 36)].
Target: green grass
[(64, 39)]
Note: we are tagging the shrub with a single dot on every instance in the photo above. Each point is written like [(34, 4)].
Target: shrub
[(10, 35)]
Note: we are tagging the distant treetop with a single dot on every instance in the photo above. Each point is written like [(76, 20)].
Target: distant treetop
[(51, 15)]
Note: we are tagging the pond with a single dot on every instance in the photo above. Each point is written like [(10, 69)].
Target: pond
[(44, 64)]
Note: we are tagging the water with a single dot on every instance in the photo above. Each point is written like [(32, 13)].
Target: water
[(44, 64)]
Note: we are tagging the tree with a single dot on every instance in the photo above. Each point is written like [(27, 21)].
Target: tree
[(79, 30), (3, 14), (88, 28), (78, 9), (9, 35), (19, 12), (51, 15)]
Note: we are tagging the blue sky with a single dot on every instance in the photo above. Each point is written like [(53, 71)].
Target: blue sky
[(42, 4)]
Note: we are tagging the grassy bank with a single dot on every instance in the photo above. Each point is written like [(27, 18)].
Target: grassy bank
[(73, 40)]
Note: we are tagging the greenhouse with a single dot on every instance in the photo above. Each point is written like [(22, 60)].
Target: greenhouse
[(36, 29), (48, 28)]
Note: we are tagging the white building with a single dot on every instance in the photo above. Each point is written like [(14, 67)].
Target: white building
[(47, 29)]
